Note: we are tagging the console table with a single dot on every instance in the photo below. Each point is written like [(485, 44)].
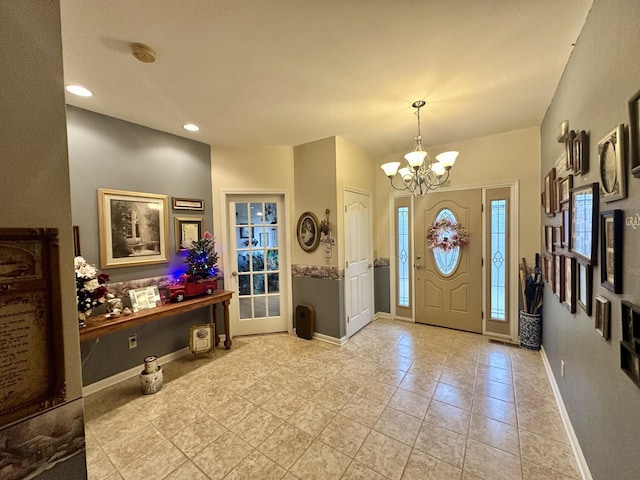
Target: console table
[(99, 325)]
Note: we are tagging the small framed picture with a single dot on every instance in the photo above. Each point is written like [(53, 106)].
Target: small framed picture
[(570, 283), (549, 192), (611, 250), (564, 192), (634, 134), (144, 298), (584, 222), (558, 261), (603, 317), (581, 153), (566, 225), (557, 236), (201, 339), (613, 175), (307, 232), (187, 230), (187, 204), (549, 271), (548, 238), (584, 285), (568, 146)]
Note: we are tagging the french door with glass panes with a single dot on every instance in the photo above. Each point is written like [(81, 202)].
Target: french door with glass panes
[(257, 275)]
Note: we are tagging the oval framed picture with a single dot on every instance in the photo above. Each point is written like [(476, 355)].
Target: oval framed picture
[(307, 232)]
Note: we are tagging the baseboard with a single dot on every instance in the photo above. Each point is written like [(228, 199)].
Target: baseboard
[(382, 316), (585, 473), (132, 372), (332, 340)]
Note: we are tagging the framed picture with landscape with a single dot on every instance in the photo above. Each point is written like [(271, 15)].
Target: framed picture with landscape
[(584, 222), (133, 228)]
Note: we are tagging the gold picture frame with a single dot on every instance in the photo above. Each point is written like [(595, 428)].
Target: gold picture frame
[(187, 204), (133, 228)]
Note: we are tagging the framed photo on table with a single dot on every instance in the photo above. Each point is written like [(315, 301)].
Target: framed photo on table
[(584, 222), (133, 228), (611, 250), (187, 230), (613, 174)]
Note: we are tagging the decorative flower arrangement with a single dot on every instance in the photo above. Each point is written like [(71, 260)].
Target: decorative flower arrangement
[(202, 259), (446, 235), (90, 289)]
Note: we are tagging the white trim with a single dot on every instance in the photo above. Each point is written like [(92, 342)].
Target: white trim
[(132, 372), (585, 473), (382, 316), (332, 340)]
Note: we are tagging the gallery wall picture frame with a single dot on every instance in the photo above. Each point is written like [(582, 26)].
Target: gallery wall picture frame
[(548, 238), (611, 250), (564, 190), (76, 241), (603, 317), (557, 236), (549, 271), (568, 146), (584, 222), (134, 228), (584, 286), (558, 262), (570, 283), (307, 232), (581, 153), (613, 174), (566, 225), (187, 230), (634, 134), (196, 204), (549, 192)]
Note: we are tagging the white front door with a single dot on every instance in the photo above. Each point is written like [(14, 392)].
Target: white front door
[(257, 249), (359, 260)]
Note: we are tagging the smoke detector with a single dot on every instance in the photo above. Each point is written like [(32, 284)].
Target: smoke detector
[(143, 52)]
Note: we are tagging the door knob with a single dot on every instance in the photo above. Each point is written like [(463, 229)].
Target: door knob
[(234, 273), (418, 266)]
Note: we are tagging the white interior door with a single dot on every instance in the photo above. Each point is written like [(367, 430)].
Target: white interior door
[(359, 260), (258, 277)]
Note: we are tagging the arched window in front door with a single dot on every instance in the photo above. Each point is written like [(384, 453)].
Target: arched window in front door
[(446, 259)]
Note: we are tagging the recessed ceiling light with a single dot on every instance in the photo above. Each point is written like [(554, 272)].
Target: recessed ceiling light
[(191, 127), (79, 90)]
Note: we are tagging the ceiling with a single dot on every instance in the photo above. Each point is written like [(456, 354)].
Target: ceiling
[(288, 72)]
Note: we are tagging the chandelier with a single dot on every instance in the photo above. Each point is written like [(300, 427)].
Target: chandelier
[(422, 175)]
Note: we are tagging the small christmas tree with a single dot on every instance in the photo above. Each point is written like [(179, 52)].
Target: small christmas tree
[(202, 259)]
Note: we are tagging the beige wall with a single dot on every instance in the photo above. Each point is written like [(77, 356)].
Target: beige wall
[(33, 147), (492, 160)]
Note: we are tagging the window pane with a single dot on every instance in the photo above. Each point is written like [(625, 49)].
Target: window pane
[(256, 214), (244, 285), (274, 305), (243, 262), (446, 260), (258, 261), (242, 218), (258, 284), (403, 257), (273, 283), (270, 213), (259, 307), (498, 259)]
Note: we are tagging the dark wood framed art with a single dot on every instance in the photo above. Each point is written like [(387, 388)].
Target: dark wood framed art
[(613, 173), (549, 271), (558, 276), (557, 236), (581, 153), (584, 222), (549, 193), (548, 238), (564, 189), (187, 230), (566, 225), (568, 145), (584, 286), (611, 250), (634, 134), (570, 283), (603, 317), (32, 354)]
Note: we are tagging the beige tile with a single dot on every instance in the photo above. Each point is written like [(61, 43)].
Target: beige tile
[(531, 471), (398, 425), (357, 471), (384, 455), (187, 470), (493, 408), (495, 374), (489, 388), (496, 359), (132, 445), (220, 457), (283, 404), (461, 378), (175, 419), (455, 396), (494, 433), (256, 467), (448, 416), (311, 418), (489, 462), (362, 410), (331, 397), (376, 391), (99, 467), (286, 445), (422, 385), (112, 428), (344, 435), (259, 391), (320, 462), (232, 411), (198, 435), (159, 462), (541, 418), (425, 467), (547, 453), (256, 426), (410, 403), (441, 443)]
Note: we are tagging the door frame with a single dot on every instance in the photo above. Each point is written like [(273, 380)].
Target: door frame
[(285, 253), (514, 216), (370, 248)]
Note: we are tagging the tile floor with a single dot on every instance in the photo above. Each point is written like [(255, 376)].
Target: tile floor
[(398, 401)]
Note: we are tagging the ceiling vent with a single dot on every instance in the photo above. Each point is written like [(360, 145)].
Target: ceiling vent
[(143, 52)]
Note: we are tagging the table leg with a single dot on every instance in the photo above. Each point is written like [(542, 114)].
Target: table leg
[(227, 336), (214, 318)]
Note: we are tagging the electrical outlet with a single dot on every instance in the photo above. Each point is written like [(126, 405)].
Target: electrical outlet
[(562, 368), (133, 342)]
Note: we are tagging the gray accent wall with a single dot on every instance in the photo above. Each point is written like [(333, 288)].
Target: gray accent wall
[(603, 403), (382, 289), (326, 297), (105, 152)]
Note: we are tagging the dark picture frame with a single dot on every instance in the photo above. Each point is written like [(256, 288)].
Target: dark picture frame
[(549, 193), (584, 286), (307, 232), (548, 238), (549, 271), (196, 204), (557, 236), (568, 146), (566, 225), (584, 222), (611, 250), (76, 241), (570, 283), (602, 322), (187, 230), (581, 153), (613, 174), (244, 232), (133, 228), (558, 276), (564, 189), (634, 134)]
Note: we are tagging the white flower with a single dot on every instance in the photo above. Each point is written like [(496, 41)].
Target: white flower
[(91, 285)]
